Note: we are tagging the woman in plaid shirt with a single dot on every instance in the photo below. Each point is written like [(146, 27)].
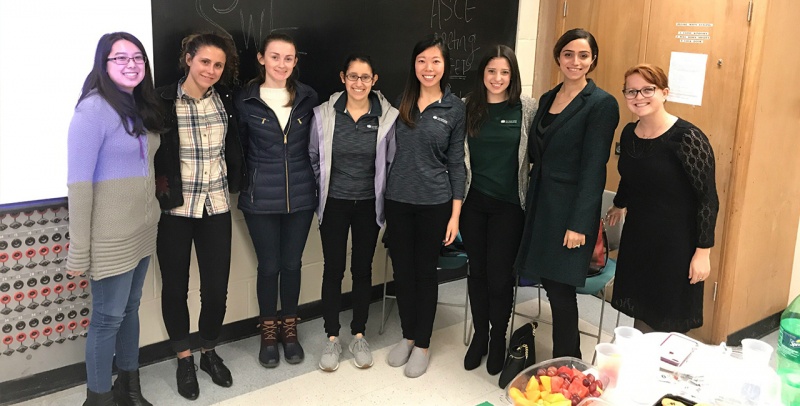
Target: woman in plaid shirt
[(198, 164)]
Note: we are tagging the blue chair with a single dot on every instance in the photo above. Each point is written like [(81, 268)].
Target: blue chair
[(597, 285), (453, 261)]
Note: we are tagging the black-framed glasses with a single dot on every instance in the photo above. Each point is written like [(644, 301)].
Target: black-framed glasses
[(123, 60), (647, 91), (365, 79)]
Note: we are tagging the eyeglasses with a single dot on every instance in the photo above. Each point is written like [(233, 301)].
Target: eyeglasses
[(646, 92), (123, 60), (365, 79)]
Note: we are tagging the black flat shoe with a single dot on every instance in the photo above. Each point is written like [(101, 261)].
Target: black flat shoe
[(186, 376), (212, 364)]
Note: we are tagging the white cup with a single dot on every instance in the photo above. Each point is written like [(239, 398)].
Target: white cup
[(609, 361), (756, 352), (624, 335)]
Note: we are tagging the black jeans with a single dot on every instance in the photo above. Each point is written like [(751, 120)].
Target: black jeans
[(564, 304), (279, 241), (491, 230), (342, 217), (415, 240), (212, 242)]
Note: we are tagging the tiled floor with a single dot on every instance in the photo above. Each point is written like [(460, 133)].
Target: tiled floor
[(445, 383)]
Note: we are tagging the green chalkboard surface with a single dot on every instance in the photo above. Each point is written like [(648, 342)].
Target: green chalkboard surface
[(326, 31)]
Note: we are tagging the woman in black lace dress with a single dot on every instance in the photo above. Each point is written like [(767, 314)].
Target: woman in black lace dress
[(668, 194)]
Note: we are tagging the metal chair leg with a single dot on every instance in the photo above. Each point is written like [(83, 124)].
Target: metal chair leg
[(602, 314), (467, 324), (383, 300), (513, 312)]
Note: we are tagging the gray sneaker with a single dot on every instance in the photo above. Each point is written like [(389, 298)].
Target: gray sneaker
[(329, 361), (362, 357)]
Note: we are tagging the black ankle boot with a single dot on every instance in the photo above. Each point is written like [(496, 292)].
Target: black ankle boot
[(212, 364), (99, 399), (128, 389), (497, 355), (476, 351), (186, 377)]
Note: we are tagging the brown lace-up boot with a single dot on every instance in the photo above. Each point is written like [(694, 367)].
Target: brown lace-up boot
[(292, 350), (268, 355)]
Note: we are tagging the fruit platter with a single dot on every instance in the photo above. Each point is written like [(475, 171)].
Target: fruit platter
[(564, 381)]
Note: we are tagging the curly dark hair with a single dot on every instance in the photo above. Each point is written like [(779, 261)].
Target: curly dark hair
[(191, 43)]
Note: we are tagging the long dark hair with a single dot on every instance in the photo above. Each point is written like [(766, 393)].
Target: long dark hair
[(291, 82), (572, 35), (140, 111), (191, 43), (477, 104), (411, 90)]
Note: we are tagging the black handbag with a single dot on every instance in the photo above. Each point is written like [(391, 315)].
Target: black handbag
[(521, 353)]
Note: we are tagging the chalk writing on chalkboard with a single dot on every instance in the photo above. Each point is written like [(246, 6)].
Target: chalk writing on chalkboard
[(462, 46), (326, 31), (252, 32)]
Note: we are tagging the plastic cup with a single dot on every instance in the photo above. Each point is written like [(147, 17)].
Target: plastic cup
[(756, 352), (624, 335), (609, 359)]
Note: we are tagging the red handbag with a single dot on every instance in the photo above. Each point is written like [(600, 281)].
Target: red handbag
[(600, 253)]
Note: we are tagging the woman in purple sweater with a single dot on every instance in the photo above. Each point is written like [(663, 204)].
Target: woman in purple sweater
[(113, 209)]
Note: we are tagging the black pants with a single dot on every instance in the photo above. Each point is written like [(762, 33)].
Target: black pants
[(491, 230), (279, 241), (212, 242), (415, 240), (564, 304), (342, 217)]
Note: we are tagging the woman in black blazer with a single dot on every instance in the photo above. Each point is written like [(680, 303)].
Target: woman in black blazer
[(569, 146)]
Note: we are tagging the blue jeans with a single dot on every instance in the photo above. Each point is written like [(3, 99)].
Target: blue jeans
[(114, 327), (279, 241)]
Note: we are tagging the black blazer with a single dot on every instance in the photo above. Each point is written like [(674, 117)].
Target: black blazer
[(567, 182), (167, 163)]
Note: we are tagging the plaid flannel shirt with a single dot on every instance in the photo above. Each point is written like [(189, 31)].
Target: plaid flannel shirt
[(202, 125)]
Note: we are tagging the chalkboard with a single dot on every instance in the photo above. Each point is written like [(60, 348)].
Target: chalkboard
[(326, 31)]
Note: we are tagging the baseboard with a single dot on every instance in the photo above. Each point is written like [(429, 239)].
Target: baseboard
[(756, 330), (66, 377)]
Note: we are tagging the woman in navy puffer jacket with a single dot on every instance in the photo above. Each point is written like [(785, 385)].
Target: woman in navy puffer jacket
[(275, 115)]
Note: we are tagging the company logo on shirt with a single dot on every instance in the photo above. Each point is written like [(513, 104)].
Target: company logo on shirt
[(437, 118), (508, 121)]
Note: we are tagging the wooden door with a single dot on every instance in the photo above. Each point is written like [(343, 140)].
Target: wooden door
[(619, 28), (633, 31), (717, 114)]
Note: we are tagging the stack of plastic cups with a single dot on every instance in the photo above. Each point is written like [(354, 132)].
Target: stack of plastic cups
[(639, 372)]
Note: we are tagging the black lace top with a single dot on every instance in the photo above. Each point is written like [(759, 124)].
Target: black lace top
[(689, 147)]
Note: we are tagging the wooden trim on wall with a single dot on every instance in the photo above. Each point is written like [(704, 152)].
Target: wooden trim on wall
[(546, 36), (739, 169)]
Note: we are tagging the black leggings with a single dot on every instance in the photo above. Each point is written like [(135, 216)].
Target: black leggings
[(564, 304), (341, 218), (415, 240), (491, 230), (211, 236)]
